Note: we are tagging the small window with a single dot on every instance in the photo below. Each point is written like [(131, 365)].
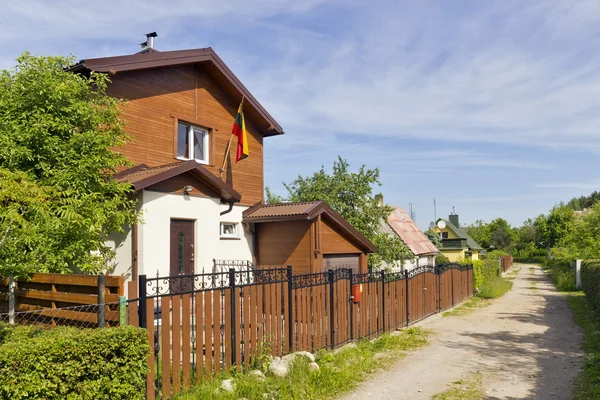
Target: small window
[(192, 143), (444, 235), (229, 230)]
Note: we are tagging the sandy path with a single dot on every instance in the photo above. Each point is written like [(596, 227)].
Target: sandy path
[(525, 344)]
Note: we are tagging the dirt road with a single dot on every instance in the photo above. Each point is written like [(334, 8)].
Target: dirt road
[(525, 345)]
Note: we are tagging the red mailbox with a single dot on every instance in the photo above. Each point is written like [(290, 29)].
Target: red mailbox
[(356, 292)]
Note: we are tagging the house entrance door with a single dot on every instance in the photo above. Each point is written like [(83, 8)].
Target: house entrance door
[(182, 251)]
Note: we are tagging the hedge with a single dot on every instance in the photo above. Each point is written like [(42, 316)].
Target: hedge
[(71, 363), (590, 282)]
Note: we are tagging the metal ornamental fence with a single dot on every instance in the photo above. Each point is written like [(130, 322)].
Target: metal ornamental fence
[(201, 324)]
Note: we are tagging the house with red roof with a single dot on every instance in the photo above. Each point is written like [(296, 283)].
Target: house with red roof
[(423, 250)]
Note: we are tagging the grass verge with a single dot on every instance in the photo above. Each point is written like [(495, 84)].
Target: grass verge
[(587, 385), (468, 388), (494, 288), (562, 276), (339, 372), (467, 307)]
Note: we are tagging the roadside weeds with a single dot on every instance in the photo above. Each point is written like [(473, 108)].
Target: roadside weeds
[(339, 372)]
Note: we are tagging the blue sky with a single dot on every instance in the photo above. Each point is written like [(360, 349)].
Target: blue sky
[(492, 107)]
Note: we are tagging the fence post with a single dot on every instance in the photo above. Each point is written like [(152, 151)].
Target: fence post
[(290, 322), (439, 300), (383, 300), (452, 285), (11, 300), (407, 302), (122, 310), (101, 306), (142, 322), (331, 310), (233, 325), (351, 299)]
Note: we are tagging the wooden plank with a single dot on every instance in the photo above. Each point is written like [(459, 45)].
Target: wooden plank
[(165, 351), (274, 338), (150, 385), (176, 340), (209, 337), (73, 279), (246, 321), (217, 330), (268, 330), (186, 339), (75, 298), (278, 310), (294, 320), (260, 318), (252, 321), (238, 332), (306, 309), (132, 307), (199, 313), (286, 318)]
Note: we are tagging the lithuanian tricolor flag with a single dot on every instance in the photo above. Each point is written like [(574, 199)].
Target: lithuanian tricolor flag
[(239, 130)]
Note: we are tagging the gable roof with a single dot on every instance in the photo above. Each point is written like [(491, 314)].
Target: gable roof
[(214, 66), (462, 234), (410, 234), (308, 211), (142, 177)]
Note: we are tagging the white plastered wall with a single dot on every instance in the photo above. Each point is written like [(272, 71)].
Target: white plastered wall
[(158, 210)]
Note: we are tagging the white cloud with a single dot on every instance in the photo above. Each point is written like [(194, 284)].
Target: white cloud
[(594, 185)]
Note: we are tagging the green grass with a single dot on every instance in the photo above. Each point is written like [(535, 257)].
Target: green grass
[(467, 307), (562, 276), (494, 287), (468, 388), (587, 385), (339, 372)]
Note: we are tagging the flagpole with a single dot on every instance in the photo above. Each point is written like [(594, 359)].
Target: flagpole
[(226, 155), (228, 147)]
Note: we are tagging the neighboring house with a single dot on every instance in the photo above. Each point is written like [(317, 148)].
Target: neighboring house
[(582, 213), (424, 252), (456, 243), (309, 236), (180, 113)]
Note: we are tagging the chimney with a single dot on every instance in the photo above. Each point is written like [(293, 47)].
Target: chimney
[(149, 43), (454, 219)]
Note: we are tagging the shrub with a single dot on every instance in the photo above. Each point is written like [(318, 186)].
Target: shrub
[(440, 258), (561, 273), (70, 363), (590, 282)]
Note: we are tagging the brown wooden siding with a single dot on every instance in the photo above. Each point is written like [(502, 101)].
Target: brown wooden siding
[(332, 242), (285, 243), (176, 184), (158, 98)]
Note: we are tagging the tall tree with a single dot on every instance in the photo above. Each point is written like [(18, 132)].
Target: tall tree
[(58, 133), (351, 195)]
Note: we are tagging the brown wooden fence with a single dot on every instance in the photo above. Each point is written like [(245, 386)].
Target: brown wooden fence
[(506, 262), (70, 299), (201, 324)]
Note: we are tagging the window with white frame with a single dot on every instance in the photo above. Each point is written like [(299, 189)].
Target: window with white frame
[(192, 143), (229, 230)]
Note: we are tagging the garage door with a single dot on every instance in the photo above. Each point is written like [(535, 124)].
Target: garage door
[(335, 261)]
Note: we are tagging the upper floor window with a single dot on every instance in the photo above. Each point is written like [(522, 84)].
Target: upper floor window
[(192, 143), (444, 235)]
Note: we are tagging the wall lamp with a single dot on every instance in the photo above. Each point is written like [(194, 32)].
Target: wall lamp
[(187, 189)]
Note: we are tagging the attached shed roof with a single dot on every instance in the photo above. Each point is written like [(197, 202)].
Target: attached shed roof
[(206, 56), (410, 234), (261, 213), (142, 176), (462, 234)]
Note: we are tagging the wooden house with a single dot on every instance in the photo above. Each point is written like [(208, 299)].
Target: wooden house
[(423, 250), (309, 236), (180, 109), (456, 243)]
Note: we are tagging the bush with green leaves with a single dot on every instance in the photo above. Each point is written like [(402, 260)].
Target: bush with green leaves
[(70, 363), (590, 282)]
